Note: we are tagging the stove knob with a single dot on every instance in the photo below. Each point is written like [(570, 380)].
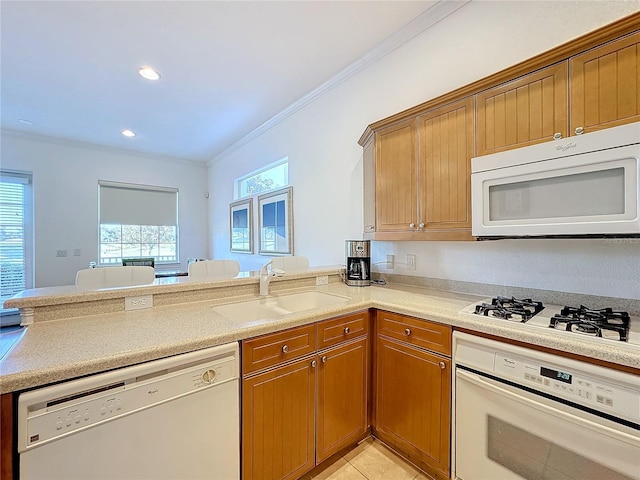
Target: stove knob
[(209, 376)]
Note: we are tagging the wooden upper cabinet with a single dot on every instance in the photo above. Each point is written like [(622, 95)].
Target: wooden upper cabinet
[(605, 85), (396, 186), (525, 111), (446, 145)]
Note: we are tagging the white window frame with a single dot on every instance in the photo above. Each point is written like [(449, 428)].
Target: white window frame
[(174, 260), (238, 184), (10, 316)]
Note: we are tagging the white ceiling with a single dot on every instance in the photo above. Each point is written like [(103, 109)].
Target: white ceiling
[(70, 68)]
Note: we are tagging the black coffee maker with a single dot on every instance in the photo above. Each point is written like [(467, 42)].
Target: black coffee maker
[(358, 268)]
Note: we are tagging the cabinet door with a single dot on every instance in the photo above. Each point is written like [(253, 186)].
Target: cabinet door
[(605, 85), (278, 412), (412, 406), (396, 185), (446, 147), (528, 110), (342, 397)]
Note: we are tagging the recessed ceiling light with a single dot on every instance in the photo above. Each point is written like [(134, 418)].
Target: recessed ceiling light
[(128, 133), (149, 73)]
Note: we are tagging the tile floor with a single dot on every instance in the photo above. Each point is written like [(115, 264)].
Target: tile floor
[(370, 460)]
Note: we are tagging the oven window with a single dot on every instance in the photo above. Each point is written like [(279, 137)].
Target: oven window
[(576, 195), (535, 458)]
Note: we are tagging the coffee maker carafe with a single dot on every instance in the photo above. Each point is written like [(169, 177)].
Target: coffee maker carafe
[(358, 268)]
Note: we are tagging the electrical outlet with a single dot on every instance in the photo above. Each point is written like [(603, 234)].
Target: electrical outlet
[(137, 303), (61, 253), (322, 280), (390, 262), (76, 252), (411, 262)]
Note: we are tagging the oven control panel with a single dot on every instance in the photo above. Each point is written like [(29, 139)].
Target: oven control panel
[(578, 387)]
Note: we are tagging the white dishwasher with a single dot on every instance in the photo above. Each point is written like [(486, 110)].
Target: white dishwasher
[(174, 418)]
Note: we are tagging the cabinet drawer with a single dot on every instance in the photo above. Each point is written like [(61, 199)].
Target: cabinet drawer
[(422, 333), (337, 330), (269, 350)]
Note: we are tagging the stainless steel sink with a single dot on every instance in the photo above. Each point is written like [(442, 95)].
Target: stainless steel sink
[(277, 306)]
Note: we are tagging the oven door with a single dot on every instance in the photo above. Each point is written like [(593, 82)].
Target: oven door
[(505, 432)]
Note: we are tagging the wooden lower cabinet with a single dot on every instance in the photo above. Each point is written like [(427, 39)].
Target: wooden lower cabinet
[(278, 414), (342, 397), (412, 403), (298, 412), (6, 435)]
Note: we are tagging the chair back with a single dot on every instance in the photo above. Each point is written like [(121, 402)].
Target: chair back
[(291, 263), (109, 277), (213, 270)]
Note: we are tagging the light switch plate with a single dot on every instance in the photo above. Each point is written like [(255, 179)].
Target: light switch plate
[(137, 303)]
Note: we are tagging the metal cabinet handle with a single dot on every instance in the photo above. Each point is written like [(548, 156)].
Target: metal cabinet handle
[(407, 331), (369, 227), (346, 330), (579, 130), (313, 364), (557, 136), (421, 225), (324, 359), (442, 365), (285, 348), (412, 225)]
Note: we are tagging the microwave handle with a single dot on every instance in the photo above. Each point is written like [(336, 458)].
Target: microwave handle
[(561, 415)]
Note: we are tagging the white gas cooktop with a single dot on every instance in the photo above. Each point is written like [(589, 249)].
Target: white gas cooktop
[(569, 321)]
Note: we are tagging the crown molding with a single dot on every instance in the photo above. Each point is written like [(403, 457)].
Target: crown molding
[(421, 23)]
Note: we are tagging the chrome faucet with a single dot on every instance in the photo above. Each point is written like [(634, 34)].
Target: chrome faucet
[(266, 275)]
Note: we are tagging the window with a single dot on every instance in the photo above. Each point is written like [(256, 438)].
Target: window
[(16, 236), (138, 221), (272, 177)]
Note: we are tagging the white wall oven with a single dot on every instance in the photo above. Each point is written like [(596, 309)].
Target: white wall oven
[(588, 185), (525, 414)]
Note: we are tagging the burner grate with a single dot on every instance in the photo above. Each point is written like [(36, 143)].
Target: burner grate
[(514, 309), (603, 322)]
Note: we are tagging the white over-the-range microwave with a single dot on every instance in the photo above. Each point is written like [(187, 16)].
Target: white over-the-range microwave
[(582, 186)]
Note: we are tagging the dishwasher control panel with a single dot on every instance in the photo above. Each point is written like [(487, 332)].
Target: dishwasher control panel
[(51, 412)]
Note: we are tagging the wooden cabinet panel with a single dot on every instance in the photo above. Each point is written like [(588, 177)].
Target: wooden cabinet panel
[(526, 111), (343, 374), (605, 85), (337, 330), (6, 434), (278, 412), (422, 333), (413, 389), (275, 348), (446, 146), (369, 190), (396, 185)]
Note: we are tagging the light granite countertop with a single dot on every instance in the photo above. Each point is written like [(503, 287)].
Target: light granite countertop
[(57, 350)]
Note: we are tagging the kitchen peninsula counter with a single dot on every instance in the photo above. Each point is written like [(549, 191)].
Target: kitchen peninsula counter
[(56, 350)]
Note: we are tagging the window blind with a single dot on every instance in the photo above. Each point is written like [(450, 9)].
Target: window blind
[(129, 204), (13, 234)]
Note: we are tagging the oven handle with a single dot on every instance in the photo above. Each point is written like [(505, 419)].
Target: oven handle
[(481, 382)]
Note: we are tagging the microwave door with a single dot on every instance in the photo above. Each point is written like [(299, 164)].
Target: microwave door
[(590, 194)]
